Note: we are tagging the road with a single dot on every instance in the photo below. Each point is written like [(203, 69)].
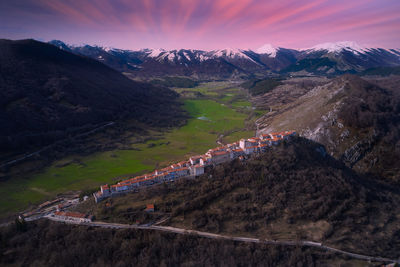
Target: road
[(169, 229)]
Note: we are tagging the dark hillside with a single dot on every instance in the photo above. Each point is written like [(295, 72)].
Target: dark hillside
[(294, 191), (258, 87), (382, 71), (357, 121), (371, 109), (47, 94), (51, 244)]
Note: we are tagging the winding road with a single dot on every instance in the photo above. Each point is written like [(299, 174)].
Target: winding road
[(169, 229)]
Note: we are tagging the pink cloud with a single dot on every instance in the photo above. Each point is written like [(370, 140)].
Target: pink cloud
[(203, 23)]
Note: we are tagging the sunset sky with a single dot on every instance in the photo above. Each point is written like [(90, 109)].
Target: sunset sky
[(203, 24)]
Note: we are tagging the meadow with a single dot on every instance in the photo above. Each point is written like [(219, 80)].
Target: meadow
[(221, 112)]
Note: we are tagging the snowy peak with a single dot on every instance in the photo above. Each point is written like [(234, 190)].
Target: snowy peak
[(154, 52), (186, 55), (339, 47), (268, 49), (229, 53)]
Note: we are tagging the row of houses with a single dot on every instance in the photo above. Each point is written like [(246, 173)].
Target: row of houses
[(196, 164), (72, 216)]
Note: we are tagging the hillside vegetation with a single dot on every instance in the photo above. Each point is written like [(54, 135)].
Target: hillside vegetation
[(382, 71), (47, 94), (294, 191), (313, 65), (126, 149), (357, 121), (180, 82), (258, 87), (48, 244)]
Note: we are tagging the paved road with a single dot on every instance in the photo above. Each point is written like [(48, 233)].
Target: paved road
[(175, 230)]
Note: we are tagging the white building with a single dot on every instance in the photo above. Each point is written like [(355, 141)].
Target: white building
[(196, 170), (219, 157), (194, 160)]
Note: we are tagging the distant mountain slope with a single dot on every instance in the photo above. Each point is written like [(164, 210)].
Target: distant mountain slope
[(357, 121), (46, 93), (382, 71), (328, 58), (348, 57)]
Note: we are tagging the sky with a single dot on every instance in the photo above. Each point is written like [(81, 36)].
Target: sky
[(203, 24)]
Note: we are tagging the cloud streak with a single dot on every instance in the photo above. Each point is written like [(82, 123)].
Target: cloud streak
[(203, 24)]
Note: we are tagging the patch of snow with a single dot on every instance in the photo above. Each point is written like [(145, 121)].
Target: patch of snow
[(268, 49), (171, 56), (230, 53), (155, 52), (202, 57), (339, 46), (186, 56)]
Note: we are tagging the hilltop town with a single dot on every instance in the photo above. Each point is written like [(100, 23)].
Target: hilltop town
[(196, 164)]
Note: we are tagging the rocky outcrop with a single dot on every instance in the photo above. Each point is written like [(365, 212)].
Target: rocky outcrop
[(358, 151)]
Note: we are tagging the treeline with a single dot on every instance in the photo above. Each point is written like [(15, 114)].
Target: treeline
[(45, 243), (382, 71), (314, 65), (261, 86), (181, 82), (377, 110)]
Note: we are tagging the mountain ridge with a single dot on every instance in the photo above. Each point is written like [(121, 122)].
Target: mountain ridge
[(331, 59), (356, 120)]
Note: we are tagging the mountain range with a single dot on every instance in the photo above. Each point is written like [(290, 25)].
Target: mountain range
[(323, 59)]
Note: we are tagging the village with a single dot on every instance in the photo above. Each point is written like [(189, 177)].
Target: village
[(196, 164), (58, 209)]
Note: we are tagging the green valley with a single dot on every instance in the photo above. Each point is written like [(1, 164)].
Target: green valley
[(219, 111)]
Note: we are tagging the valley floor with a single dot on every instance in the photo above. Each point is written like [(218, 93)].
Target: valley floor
[(219, 112)]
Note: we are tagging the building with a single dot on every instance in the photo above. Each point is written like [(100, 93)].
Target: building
[(196, 170), (194, 160), (196, 164), (149, 208), (73, 216), (219, 157)]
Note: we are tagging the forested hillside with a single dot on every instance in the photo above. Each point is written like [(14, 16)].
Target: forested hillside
[(294, 191), (48, 244), (47, 94)]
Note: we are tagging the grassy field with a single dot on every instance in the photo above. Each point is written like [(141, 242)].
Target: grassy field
[(221, 110)]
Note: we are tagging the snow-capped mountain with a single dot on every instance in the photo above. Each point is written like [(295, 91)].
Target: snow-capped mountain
[(268, 49), (338, 47), (340, 57), (326, 58), (230, 53)]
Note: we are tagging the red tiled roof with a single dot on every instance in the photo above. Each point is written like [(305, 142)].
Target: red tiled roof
[(218, 151)]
